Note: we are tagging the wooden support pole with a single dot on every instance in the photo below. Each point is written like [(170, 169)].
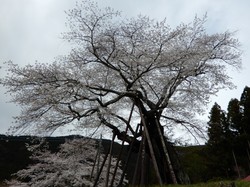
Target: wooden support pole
[(136, 171), (122, 146), (143, 159), (109, 160), (170, 166), (128, 157), (151, 150), (100, 171), (97, 159)]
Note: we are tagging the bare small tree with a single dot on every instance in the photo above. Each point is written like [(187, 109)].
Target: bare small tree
[(167, 74)]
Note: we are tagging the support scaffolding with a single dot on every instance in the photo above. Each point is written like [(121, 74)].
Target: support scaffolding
[(152, 150)]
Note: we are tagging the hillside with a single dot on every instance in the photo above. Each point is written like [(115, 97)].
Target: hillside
[(14, 156)]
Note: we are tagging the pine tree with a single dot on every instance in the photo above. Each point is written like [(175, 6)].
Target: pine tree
[(216, 126), (245, 104), (234, 117), (244, 139), (232, 133), (218, 157), (229, 138)]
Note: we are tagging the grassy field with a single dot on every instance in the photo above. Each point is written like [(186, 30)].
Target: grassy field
[(210, 184), (215, 184)]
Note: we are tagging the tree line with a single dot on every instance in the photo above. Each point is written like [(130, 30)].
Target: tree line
[(228, 142)]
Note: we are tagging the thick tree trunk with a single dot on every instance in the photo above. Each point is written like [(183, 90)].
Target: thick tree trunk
[(166, 153), (157, 149), (152, 152), (167, 173)]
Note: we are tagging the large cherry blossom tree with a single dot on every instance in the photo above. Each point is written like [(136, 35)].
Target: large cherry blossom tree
[(163, 75)]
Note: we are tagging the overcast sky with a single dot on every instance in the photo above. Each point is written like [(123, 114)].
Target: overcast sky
[(30, 31)]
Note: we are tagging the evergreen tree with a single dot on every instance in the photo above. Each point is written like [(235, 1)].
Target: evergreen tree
[(245, 104), (233, 134), (234, 117), (229, 138), (244, 139), (218, 157), (216, 126)]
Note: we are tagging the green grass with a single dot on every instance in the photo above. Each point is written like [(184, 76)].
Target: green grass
[(210, 184), (215, 184)]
